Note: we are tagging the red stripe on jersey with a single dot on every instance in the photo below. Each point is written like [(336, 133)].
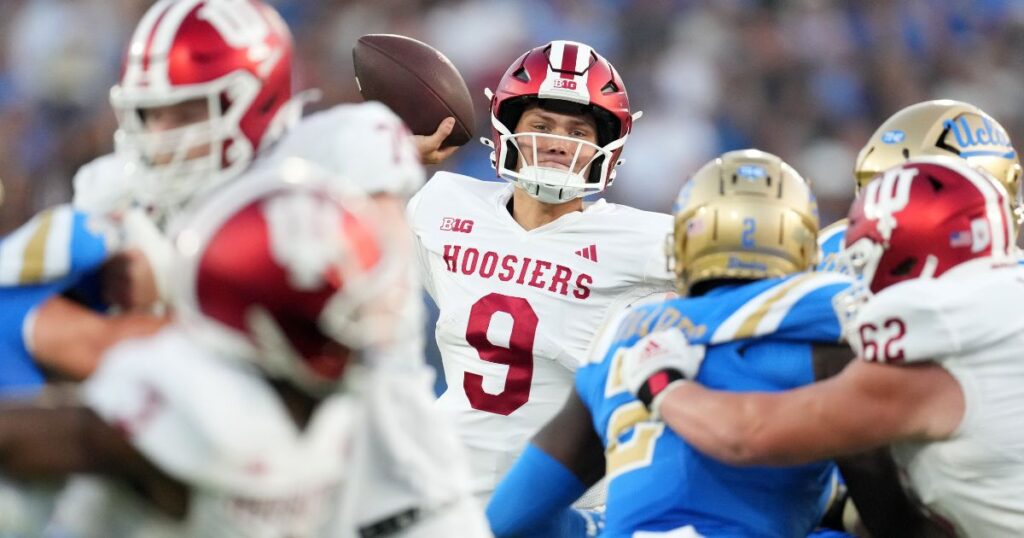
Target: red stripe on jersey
[(569, 61)]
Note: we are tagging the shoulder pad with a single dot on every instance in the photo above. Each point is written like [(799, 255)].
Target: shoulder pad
[(798, 307)]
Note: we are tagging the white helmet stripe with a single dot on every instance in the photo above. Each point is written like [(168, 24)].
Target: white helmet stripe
[(555, 56), (582, 58), (568, 57), (137, 53), (995, 211)]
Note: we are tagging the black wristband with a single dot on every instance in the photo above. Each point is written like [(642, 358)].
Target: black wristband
[(656, 383)]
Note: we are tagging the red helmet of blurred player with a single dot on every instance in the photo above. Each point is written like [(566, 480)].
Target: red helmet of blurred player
[(231, 59), (281, 270)]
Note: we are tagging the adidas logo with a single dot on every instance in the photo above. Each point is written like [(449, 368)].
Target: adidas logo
[(588, 253)]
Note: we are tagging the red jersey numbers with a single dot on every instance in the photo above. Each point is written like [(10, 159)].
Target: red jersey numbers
[(518, 355), (450, 224), (883, 343)]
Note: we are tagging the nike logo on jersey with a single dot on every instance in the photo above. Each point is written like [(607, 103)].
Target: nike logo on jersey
[(524, 271), (588, 253)]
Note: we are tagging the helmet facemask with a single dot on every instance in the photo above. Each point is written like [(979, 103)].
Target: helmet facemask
[(552, 184), (860, 261), (582, 168), (172, 166)]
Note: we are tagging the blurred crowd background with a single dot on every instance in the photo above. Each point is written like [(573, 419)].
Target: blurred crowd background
[(806, 79)]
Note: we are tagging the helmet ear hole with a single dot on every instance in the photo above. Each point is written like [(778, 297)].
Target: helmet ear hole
[(904, 267), (594, 175), (511, 155)]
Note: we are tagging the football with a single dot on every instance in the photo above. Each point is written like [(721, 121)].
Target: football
[(416, 81)]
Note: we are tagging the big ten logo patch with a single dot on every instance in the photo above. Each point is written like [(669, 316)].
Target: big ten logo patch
[(565, 83), (450, 224)]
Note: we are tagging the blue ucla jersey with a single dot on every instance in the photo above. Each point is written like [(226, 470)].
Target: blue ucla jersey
[(759, 337), (57, 250), (830, 244)]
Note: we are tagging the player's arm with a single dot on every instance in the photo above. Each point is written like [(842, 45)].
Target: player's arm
[(866, 406), (55, 436), (871, 477), (563, 460), (69, 339)]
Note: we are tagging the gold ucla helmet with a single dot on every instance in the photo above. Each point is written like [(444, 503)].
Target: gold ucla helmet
[(943, 127), (744, 215)]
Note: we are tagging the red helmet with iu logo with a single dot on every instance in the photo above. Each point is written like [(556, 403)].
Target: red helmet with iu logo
[(281, 270), (923, 218), (569, 77), (232, 60)]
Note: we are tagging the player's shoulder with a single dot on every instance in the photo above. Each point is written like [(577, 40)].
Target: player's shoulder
[(365, 143), (325, 129), (366, 114), (450, 182), (628, 218), (969, 307), (830, 243), (833, 232), (796, 307), (57, 243), (447, 190)]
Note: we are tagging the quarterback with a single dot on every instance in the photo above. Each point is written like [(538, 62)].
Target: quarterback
[(524, 272)]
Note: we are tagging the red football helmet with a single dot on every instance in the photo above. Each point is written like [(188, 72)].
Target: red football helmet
[(570, 74), (282, 270), (921, 219), (234, 56)]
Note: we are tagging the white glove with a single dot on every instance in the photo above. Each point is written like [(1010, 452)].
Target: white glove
[(658, 361)]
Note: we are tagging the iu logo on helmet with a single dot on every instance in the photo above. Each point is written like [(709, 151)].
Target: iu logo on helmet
[(242, 26), (300, 228), (883, 199)]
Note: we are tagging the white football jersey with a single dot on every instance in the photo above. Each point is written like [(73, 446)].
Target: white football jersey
[(969, 321), (216, 425), (519, 308), (365, 143)]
